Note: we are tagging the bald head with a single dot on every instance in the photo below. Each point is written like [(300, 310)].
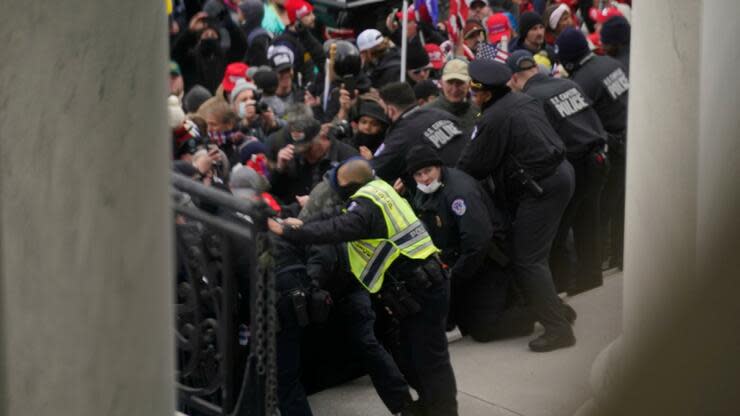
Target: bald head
[(356, 171)]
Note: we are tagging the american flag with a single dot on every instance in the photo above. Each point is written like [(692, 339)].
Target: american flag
[(491, 52)]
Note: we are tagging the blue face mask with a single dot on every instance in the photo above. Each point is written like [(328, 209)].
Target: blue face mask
[(242, 109)]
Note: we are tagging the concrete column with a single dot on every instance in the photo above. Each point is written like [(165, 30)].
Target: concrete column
[(678, 352), (85, 230)]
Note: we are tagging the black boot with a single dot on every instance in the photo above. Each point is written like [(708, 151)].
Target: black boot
[(552, 341)]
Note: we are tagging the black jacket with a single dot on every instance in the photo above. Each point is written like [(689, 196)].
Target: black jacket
[(300, 177), (569, 112), (258, 41), (418, 126), (303, 43), (207, 70), (623, 56), (512, 133), (546, 50), (387, 70), (604, 81), (458, 218)]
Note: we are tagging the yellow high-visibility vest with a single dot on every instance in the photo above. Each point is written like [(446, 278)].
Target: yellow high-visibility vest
[(370, 259)]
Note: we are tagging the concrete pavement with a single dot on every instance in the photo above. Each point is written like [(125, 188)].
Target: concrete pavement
[(504, 378)]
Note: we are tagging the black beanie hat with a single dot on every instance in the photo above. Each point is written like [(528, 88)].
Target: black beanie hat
[(571, 45), (416, 57), (616, 31), (371, 109), (527, 21), (421, 156)]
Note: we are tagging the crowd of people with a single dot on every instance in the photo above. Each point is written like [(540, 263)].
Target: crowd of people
[(467, 192)]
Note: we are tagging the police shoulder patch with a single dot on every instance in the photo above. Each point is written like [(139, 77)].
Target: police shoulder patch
[(458, 207)]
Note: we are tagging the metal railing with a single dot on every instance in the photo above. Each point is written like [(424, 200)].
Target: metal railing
[(226, 366)]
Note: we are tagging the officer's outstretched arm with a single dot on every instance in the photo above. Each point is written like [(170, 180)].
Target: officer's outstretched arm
[(350, 226)]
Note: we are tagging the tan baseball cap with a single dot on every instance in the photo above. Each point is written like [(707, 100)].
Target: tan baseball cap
[(456, 69)]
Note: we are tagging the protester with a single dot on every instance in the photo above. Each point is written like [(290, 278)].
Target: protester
[(455, 89)]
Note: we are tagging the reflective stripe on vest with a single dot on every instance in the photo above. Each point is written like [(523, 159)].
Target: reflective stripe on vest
[(370, 259)]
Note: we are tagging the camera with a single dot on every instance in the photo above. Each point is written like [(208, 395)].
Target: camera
[(340, 130), (261, 108)]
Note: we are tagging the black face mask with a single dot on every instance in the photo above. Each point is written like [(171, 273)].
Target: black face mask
[(209, 46), (371, 141), (348, 190)]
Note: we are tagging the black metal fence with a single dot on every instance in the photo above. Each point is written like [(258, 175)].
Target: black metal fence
[(225, 304)]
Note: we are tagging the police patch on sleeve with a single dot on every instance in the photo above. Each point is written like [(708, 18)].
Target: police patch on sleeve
[(458, 207)]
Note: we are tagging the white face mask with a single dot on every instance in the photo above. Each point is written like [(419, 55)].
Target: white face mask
[(242, 109), (429, 189)]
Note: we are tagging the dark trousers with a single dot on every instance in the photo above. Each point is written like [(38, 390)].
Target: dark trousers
[(583, 216), (488, 307), (533, 231), (359, 320), (424, 351), (291, 395), (612, 208)]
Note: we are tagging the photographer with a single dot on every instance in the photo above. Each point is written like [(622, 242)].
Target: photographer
[(348, 80), (304, 158), (256, 118)]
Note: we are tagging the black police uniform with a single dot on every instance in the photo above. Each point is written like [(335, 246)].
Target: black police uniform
[(461, 220), (353, 310), (426, 360), (578, 125), (515, 144), (417, 125), (604, 81), (291, 279)]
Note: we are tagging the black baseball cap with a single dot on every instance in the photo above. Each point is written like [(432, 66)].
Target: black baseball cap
[(521, 60)]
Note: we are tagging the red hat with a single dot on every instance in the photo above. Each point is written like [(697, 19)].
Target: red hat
[(410, 14), (234, 72), (601, 16), (570, 3), (296, 9), (498, 26), (436, 57)]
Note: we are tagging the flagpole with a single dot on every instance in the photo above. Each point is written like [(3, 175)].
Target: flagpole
[(404, 41)]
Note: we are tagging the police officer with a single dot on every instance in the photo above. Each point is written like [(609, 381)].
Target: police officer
[(615, 39), (573, 118), (461, 220), (328, 266), (291, 282), (411, 125), (605, 82), (514, 144), (392, 255)]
